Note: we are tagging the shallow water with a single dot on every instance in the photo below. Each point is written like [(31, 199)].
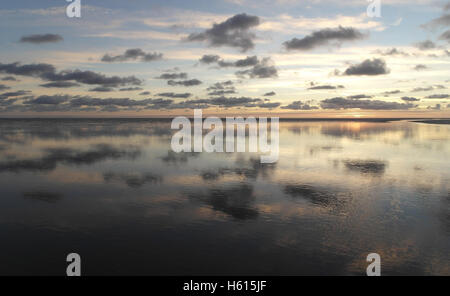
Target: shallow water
[(114, 192)]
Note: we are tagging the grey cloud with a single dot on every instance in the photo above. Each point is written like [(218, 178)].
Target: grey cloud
[(299, 105), (362, 96), (48, 72), (209, 59), (44, 38), (133, 55), (130, 89), (9, 78), (191, 82), (392, 92), (14, 94), (420, 67), (144, 93), (264, 69), (438, 96), (410, 99), (102, 89), (4, 87), (174, 95), (269, 105), (269, 94), (169, 76), (48, 100), (221, 88), (392, 52), (419, 89), (436, 107), (60, 84), (343, 103), (368, 67), (445, 36), (442, 21), (323, 37), (325, 87), (425, 45), (234, 32)]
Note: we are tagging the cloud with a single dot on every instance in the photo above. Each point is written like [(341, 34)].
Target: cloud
[(270, 94), (191, 82), (44, 38), (323, 37), (366, 166), (4, 87), (60, 84), (14, 94), (425, 45), (169, 76), (264, 69), (174, 95), (133, 55), (48, 72), (343, 103), (445, 36), (234, 32), (130, 89), (102, 89), (420, 67), (48, 100), (436, 107), (362, 96), (121, 102), (325, 87), (221, 88), (427, 88), (410, 99), (442, 21), (392, 92), (391, 52), (438, 96), (368, 67), (9, 78), (209, 59), (144, 93), (299, 105)]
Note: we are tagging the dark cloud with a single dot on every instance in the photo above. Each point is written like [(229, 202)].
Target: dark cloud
[(264, 69), (209, 59), (133, 55), (221, 88), (392, 92), (133, 180), (233, 32), (325, 87), (410, 99), (368, 67), (425, 45), (169, 76), (174, 95), (145, 93), (445, 36), (60, 84), (48, 72), (299, 105), (436, 107), (9, 78), (191, 82), (420, 67), (48, 100), (438, 96), (343, 103), (323, 37), (122, 102), (391, 52), (44, 38), (130, 89), (3, 87), (419, 89), (102, 89), (442, 21), (362, 96), (14, 94), (270, 94), (269, 105), (50, 197)]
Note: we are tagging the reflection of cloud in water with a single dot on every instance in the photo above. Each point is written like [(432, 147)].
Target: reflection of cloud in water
[(177, 158), (235, 201), (251, 169), (133, 179), (375, 167), (50, 197), (360, 130), (68, 156)]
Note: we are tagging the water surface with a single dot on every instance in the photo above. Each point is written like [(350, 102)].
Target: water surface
[(114, 192)]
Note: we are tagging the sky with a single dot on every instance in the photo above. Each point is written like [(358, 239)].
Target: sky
[(312, 58)]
